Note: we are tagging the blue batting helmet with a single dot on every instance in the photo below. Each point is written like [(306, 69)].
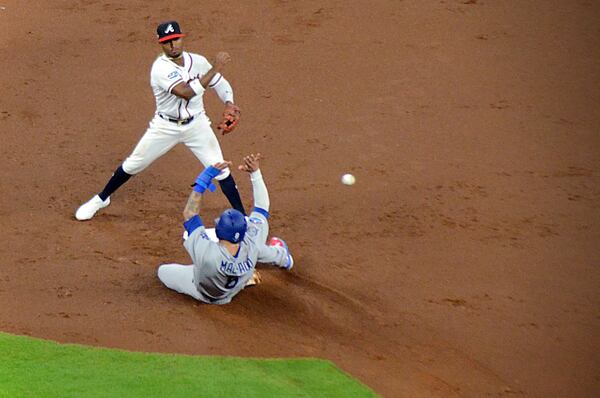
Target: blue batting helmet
[(231, 226)]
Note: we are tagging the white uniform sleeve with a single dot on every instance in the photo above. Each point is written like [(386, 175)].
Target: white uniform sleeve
[(259, 189), (217, 83), (222, 88), (201, 66), (165, 75)]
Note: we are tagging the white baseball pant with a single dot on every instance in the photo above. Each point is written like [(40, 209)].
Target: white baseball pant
[(162, 135)]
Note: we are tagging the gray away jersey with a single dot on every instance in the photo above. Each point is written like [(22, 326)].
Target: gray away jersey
[(218, 275)]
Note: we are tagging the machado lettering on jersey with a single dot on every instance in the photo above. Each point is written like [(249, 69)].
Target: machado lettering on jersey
[(237, 269), (174, 75)]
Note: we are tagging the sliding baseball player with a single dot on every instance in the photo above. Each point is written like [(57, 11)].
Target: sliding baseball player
[(221, 269)]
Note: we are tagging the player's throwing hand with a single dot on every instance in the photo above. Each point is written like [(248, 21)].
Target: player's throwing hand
[(222, 59)]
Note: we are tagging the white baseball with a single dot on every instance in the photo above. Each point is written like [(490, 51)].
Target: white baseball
[(348, 179)]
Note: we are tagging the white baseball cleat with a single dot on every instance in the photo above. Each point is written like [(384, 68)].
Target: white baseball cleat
[(87, 210)]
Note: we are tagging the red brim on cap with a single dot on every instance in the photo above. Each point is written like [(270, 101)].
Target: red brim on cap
[(171, 37)]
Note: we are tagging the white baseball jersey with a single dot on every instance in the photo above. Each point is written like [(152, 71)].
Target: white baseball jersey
[(162, 134), (166, 74)]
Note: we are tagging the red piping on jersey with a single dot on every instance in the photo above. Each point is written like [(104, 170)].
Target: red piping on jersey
[(174, 84), (186, 109), (217, 82), (191, 62), (189, 72)]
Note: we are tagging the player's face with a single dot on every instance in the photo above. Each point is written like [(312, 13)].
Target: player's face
[(173, 48)]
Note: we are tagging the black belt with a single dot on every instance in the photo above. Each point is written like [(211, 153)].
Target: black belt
[(181, 122)]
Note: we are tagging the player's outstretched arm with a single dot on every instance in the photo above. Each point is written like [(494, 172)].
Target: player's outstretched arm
[(259, 189), (221, 60), (192, 207), (196, 86), (276, 252), (202, 183)]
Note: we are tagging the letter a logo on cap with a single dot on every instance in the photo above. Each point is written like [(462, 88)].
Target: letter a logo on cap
[(168, 31)]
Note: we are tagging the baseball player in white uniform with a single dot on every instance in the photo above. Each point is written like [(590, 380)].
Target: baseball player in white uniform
[(178, 79), (220, 270)]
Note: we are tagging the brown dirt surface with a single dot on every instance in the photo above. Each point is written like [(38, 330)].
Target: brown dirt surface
[(463, 262)]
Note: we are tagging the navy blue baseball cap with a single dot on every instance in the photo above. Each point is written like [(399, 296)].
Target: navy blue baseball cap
[(168, 31)]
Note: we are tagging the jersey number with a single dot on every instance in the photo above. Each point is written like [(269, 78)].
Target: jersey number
[(231, 282)]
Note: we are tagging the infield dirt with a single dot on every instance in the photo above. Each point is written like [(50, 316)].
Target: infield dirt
[(463, 262)]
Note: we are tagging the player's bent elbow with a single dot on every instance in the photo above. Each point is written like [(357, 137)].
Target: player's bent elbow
[(187, 95), (183, 91)]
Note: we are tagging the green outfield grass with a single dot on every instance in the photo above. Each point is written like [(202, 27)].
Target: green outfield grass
[(38, 368)]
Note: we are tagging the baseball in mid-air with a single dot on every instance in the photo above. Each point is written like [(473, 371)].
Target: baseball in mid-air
[(348, 179)]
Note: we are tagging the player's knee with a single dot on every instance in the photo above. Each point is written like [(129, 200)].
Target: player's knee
[(226, 172), (162, 270), (132, 167), (166, 273)]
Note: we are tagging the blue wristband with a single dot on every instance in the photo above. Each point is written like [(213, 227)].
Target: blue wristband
[(203, 181), (200, 188), (208, 174), (192, 224)]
